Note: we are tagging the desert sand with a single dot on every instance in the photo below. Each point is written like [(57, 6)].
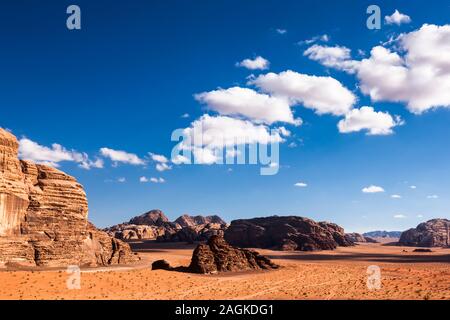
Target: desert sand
[(338, 274)]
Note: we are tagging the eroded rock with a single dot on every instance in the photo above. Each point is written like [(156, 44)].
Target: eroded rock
[(433, 233)]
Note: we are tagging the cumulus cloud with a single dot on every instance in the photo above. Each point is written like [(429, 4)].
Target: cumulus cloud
[(121, 156), (420, 78), (210, 133), (323, 37), (365, 118), (248, 103), (322, 94), (334, 57), (143, 179), (258, 63), (415, 72), (30, 150), (301, 184), (158, 158), (397, 18), (373, 189)]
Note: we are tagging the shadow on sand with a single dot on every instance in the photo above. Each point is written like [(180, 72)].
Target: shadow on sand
[(373, 257)]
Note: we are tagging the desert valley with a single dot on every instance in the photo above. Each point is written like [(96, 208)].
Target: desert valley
[(44, 230)]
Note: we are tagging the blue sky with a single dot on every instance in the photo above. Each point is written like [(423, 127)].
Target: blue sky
[(125, 79)]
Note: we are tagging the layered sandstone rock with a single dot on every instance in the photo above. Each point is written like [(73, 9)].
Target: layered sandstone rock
[(43, 217), (433, 233), (285, 233), (219, 256)]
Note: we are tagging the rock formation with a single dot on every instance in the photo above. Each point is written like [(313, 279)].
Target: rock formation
[(433, 233), (382, 234), (357, 237), (43, 217), (154, 225), (219, 256), (192, 221), (285, 233)]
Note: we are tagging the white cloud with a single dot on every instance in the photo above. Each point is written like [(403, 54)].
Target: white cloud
[(258, 63), (162, 166), (397, 18), (121, 156), (376, 123), (396, 196), (185, 115), (121, 180), (281, 31), (399, 216), (413, 187), (334, 57), (158, 158), (420, 78), (210, 133), (373, 189), (419, 216), (434, 196), (157, 180), (248, 103), (324, 38), (143, 179), (30, 150), (180, 159), (322, 94), (301, 184)]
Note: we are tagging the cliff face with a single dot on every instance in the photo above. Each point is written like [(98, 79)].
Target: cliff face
[(43, 217), (433, 233)]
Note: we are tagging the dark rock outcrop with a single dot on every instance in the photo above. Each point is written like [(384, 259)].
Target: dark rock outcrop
[(433, 233), (357, 237), (43, 217), (285, 233), (218, 256), (151, 218), (161, 265)]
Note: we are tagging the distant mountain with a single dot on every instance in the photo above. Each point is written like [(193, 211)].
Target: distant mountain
[(383, 234), (190, 221), (433, 233)]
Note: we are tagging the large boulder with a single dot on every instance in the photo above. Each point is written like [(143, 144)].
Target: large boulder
[(433, 233), (43, 217), (285, 233), (218, 256)]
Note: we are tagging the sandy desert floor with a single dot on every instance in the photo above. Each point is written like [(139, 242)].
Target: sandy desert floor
[(339, 274)]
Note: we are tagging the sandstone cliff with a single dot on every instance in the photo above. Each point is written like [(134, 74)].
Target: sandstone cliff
[(433, 233), (285, 233), (43, 217)]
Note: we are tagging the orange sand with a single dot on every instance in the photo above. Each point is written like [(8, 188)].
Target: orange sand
[(339, 274)]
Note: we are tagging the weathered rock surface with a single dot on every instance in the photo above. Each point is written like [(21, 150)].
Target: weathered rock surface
[(357, 237), (433, 233), (218, 256), (192, 221), (43, 217), (285, 233), (154, 225)]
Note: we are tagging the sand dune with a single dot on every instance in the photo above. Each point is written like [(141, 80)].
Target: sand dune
[(339, 274)]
